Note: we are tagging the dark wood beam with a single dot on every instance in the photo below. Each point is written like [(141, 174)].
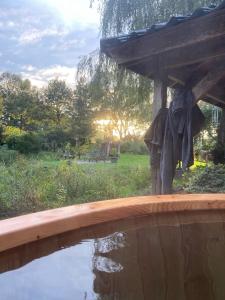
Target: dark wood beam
[(159, 101), (210, 97), (188, 33), (180, 57), (209, 81), (160, 96)]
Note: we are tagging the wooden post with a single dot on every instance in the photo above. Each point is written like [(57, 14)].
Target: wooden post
[(159, 101)]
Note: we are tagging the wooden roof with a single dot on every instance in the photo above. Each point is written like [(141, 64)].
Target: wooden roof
[(187, 50)]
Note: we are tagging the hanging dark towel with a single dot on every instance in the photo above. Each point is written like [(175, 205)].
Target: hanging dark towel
[(184, 120), (154, 137)]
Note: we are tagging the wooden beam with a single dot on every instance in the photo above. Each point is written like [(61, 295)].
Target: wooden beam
[(180, 57), (209, 95), (209, 81), (188, 33), (159, 101), (198, 53), (160, 96), (215, 98)]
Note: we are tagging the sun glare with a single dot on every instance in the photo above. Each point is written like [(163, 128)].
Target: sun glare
[(74, 11)]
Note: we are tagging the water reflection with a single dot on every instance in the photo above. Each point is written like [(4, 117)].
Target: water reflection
[(165, 261), (177, 257)]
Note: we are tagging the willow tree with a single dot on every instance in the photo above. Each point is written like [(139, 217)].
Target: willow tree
[(117, 95), (122, 16)]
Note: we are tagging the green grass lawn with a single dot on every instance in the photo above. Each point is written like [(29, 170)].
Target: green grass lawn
[(124, 160)]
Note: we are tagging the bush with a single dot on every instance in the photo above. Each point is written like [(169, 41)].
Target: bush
[(56, 139), (207, 180), (134, 147), (25, 144), (31, 185), (12, 131), (218, 154)]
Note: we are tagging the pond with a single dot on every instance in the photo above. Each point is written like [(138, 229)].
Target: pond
[(165, 256)]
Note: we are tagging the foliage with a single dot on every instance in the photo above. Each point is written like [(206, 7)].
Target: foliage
[(25, 143), (12, 131), (55, 139), (219, 149), (32, 185), (20, 102), (118, 95), (206, 140), (81, 125), (218, 154), (58, 97), (119, 16), (134, 147), (55, 115), (209, 179)]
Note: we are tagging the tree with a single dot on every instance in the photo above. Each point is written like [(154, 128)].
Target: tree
[(81, 118), (118, 95), (58, 98), (219, 150), (121, 16), (20, 102)]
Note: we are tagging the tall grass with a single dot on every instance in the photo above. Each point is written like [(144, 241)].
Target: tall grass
[(32, 185)]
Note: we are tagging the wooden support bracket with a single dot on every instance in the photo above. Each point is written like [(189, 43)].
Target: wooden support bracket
[(209, 81)]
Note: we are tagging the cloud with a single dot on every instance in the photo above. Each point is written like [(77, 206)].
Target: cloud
[(43, 39), (74, 12), (35, 35), (41, 77), (28, 68)]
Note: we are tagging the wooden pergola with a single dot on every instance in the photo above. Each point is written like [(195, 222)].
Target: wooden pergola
[(187, 51)]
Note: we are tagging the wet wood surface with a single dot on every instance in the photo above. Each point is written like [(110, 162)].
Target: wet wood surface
[(25, 229)]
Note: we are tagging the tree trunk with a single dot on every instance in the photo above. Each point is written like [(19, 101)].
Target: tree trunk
[(219, 151), (221, 130)]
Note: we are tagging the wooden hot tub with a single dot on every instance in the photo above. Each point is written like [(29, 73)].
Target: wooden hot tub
[(156, 247)]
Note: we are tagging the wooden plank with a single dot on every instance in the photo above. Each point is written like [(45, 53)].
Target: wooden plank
[(209, 81), (187, 33), (24, 229)]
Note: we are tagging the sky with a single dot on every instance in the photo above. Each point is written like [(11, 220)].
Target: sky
[(45, 39)]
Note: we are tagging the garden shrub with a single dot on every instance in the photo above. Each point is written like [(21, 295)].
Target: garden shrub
[(134, 147), (25, 144), (207, 180), (218, 154), (56, 139), (10, 131)]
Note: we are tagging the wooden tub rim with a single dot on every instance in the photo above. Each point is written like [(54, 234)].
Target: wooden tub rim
[(29, 228)]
